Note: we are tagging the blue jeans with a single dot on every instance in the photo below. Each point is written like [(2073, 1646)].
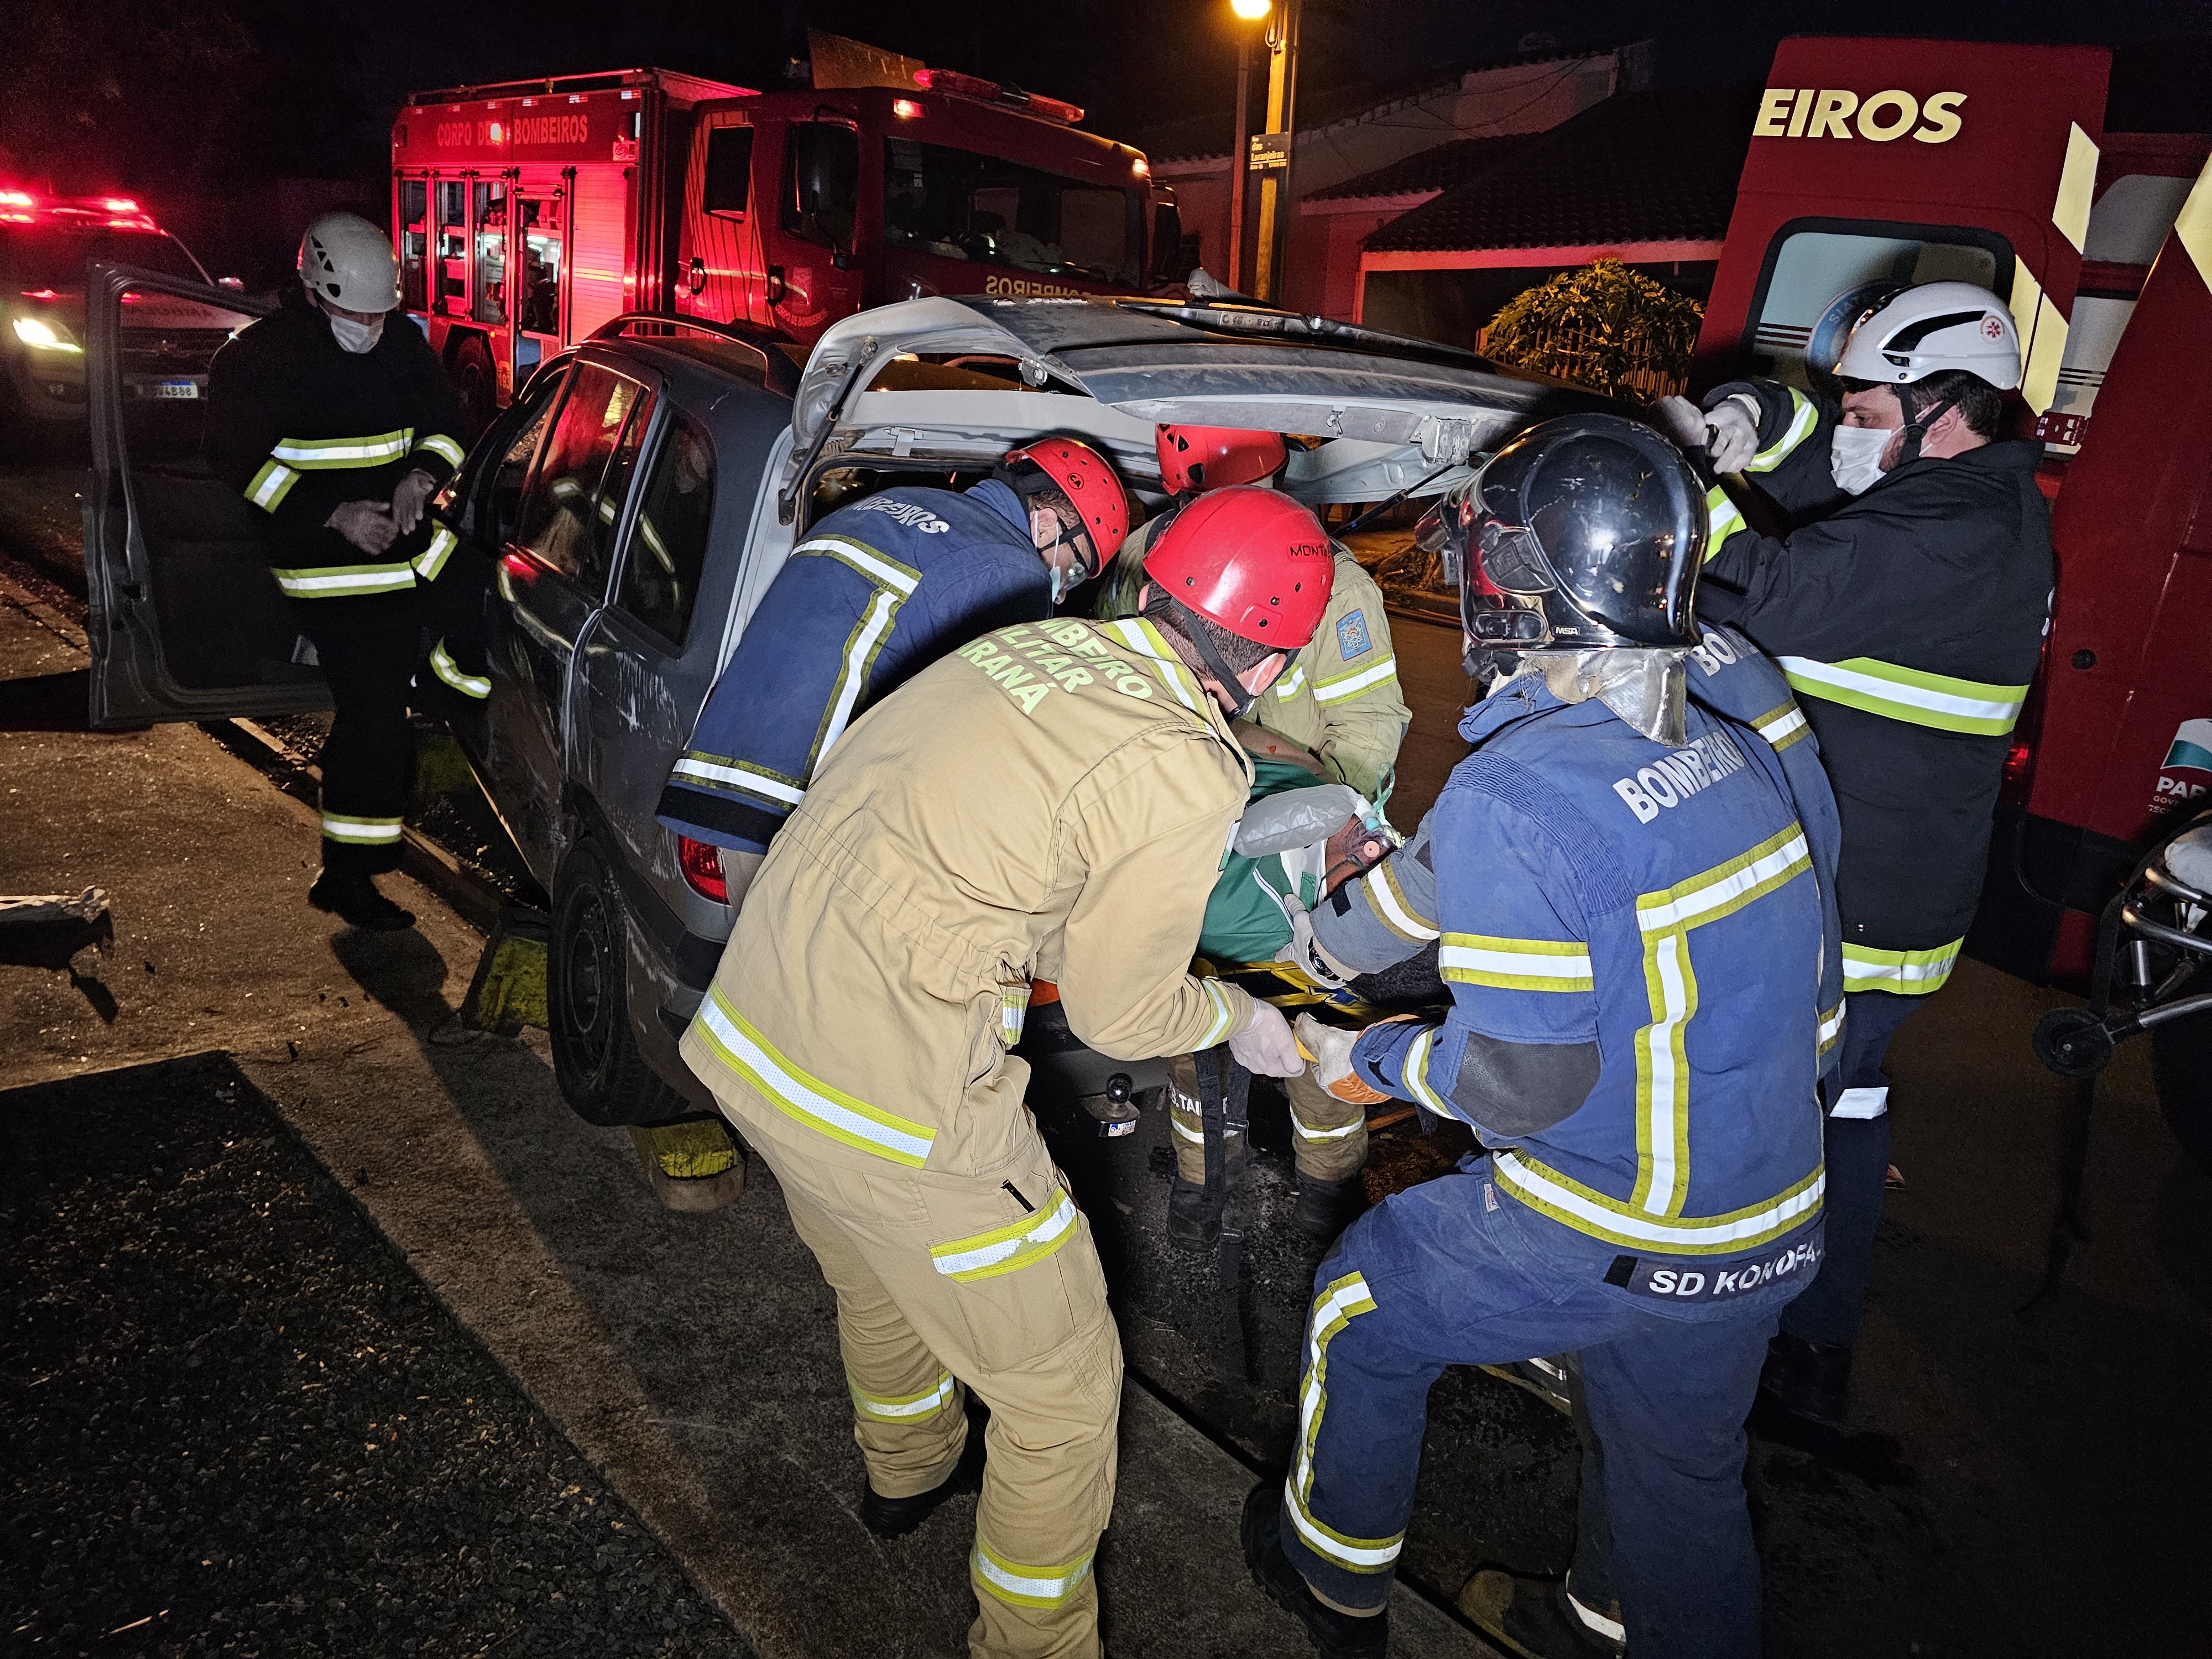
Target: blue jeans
[(1458, 1271), (1857, 1151)]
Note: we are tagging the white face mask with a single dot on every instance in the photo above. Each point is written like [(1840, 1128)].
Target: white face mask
[(1854, 456), (356, 337)]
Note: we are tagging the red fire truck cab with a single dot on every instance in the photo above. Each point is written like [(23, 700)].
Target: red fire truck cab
[(528, 215), (1888, 160)]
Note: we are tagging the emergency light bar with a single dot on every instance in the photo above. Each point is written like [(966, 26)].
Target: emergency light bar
[(993, 91)]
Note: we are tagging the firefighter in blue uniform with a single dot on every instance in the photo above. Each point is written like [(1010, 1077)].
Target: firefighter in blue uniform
[(340, 429), (872, 594), (1906, 600), (1629, 889)]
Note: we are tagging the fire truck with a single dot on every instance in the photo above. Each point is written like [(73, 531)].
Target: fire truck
[(526, 215), (1889, 160)]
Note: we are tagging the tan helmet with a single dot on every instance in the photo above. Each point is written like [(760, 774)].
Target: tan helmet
[(348, 261)]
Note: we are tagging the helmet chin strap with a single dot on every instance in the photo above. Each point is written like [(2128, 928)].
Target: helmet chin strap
[(1916, 429), (1216, 665)]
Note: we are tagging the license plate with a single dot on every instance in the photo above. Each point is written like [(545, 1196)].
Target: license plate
[(176, 388)]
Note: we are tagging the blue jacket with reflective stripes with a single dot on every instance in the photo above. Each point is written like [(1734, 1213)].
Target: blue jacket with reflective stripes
[(1595, 889), (871, 595)]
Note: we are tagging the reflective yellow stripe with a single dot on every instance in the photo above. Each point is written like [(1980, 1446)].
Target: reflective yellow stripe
[(1804, 415), (1586, 1211), (803, 1097), (902, 1407), (1414, 1072), (719, 773), (1145, 640), (1013, 1012), (1909, 694), (1724, 518), (1027, 1586), (1340, 1302), (1356, 684), (878, 568), (1831, 1027), (1782, 726), (442, 446), (1662, 1069), (469, 685), (1515, 965), (270, 485), (1009, 1248), (432, 559), (332, 581), (361, 832), (1292, 683), (332, 454), (1224, 1015), (1392, 908), (1906, 973)]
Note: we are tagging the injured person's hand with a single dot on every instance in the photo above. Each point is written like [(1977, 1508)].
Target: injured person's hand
[(1329, 1049), (1352, 851)]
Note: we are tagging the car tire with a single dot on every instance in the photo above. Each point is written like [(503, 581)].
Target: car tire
[(478, 382), (596, 1059), (2181, 1065)]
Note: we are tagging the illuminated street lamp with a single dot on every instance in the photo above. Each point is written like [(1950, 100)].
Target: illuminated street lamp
[(1266, 154)]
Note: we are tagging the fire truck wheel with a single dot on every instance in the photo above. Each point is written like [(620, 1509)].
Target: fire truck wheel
[(477, 381), (595, 1053), (2181, 1064)]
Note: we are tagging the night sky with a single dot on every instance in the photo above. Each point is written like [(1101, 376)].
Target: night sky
[(197, 97)]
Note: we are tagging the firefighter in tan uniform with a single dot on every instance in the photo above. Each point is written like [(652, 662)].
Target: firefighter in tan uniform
[(858, 1026), (1339, 708)]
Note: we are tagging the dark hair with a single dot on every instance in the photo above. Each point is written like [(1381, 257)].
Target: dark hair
[(1240, 654), (1980, 404)]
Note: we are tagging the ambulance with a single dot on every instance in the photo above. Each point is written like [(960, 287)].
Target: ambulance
[(528, 215), (1895, 160)]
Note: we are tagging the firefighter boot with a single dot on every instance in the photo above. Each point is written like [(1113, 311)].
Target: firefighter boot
[(895, 1517), (1807, 1379), (1538, 1619), (354, 900), (1326, 1208), (1337, 1635), (1193, 1215)]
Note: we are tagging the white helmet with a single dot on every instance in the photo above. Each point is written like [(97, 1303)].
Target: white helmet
[(348, 261), (1935, 326)]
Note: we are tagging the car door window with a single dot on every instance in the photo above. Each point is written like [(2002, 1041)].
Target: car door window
[(668, 544), (511, 472), (574, 499)]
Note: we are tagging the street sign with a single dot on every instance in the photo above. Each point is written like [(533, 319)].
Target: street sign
[(1271, 152)]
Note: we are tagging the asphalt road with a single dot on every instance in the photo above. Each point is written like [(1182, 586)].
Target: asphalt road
[(2022, 1485)]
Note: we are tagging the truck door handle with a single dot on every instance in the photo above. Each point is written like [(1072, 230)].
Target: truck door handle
[(698, 275), (774, 285)]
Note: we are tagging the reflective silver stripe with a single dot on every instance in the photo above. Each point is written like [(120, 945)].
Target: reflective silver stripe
[(1027, 1586), (1138, 636), (887, 573), (1831, 1027), (1009, 1248), (1534, 1184), (806, 1099), (738, 777), (442, 446), (1298, 1126), (1414, 1072), (1224, 1015), (1909, 973), (270, 485), (1382, 890), (881, 608), (1612, 1629), (1292, 683), (320, 454), (1351, 685), (432, 559), (1912, 694), (335, 581), (1783, 725), (903, 1408), (1706, 896), (361, 832), (1862, 1103), (443, 666)]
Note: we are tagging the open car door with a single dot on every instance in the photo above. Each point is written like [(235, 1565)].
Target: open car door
[(185, 622)]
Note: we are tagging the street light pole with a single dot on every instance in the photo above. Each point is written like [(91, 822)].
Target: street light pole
[(1240, 163), (1275, 179)]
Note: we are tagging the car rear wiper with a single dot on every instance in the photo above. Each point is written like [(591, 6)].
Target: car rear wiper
[(1229, 319)]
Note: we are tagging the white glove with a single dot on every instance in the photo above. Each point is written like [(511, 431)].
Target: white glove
[(1682, 420), (1735, 438), (1330, 1048), (1263, 1045), (366, 524), (407, 500)]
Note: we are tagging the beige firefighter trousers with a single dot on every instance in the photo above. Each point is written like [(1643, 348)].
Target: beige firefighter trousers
[(1329, 1138), (921, 1311)]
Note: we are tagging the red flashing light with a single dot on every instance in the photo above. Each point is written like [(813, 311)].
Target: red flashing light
[(702, 864), (1141, 167), (17, 198), (40, 294), (120, 204), (906, 109), (971, 86), (15, 218), (1053, 109)]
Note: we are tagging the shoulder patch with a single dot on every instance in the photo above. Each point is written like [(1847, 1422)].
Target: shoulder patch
[(1352, 639)]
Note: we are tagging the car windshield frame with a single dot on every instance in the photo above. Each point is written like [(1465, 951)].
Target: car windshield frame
[(108, 244)]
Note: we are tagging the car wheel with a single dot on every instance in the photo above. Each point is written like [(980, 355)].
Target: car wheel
[(477, 381), (2181, 1065), (595, 1055)]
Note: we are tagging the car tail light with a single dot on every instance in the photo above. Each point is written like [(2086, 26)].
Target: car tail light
[(702, 864), (2018, 771)]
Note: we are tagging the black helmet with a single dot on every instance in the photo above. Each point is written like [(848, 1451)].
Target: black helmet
[(1584, 533)]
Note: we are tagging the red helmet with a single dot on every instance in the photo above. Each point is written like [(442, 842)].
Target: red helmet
[(1252, 560), (1085, 478), (1211, 457)]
